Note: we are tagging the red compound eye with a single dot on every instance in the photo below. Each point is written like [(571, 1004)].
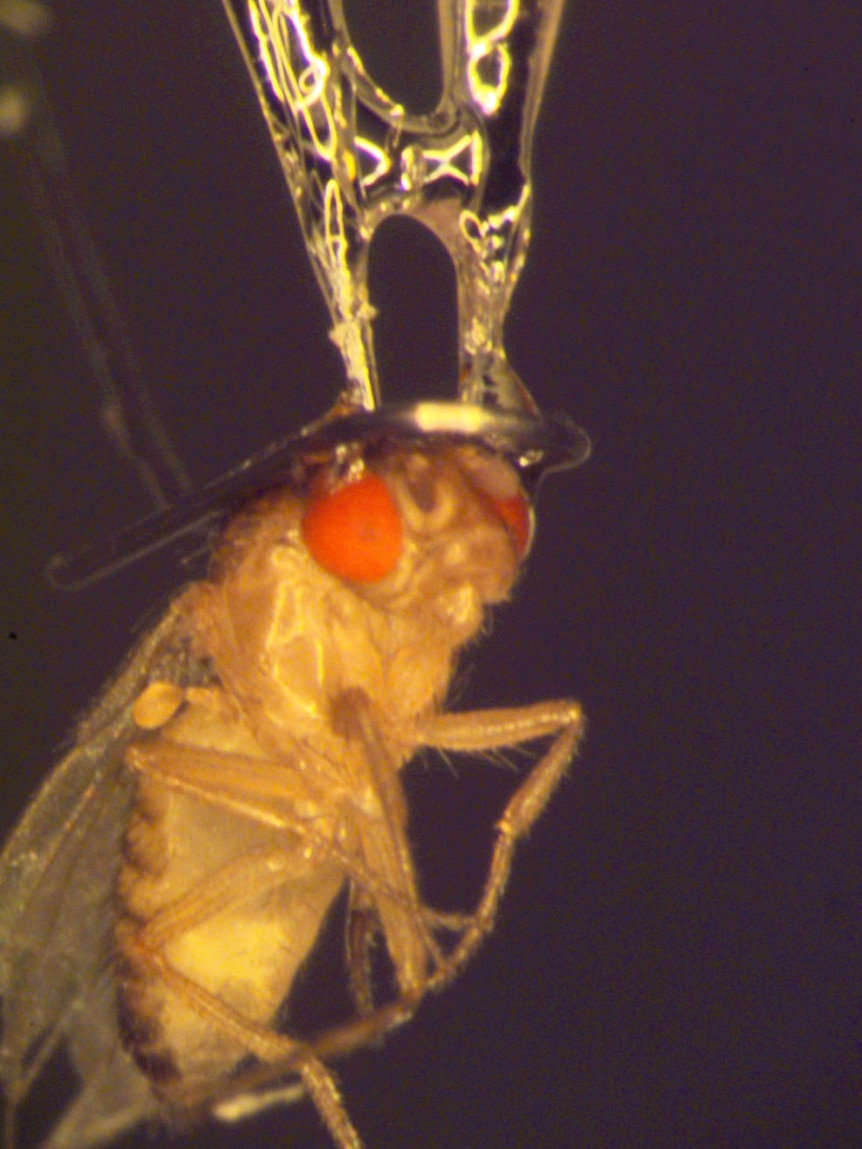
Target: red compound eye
[(355, 532), (515, 513)]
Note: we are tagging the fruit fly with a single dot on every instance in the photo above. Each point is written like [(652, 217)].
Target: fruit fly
[(166, 889)]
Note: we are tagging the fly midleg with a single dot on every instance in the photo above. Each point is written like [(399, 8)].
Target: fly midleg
[(362, 928), (409, 939), (324, 1092)]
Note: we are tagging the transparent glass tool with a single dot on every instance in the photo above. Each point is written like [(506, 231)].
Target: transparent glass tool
[(353, 157), (126, 409)]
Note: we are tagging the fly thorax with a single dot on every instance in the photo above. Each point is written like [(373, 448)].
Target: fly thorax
[(370, 579)]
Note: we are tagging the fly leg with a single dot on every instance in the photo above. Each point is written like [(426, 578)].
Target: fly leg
[(363, 928), (385, 845), (481, 731), (474, 732)]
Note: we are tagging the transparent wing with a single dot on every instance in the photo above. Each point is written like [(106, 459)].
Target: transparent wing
[(127, 412), (56, 882)]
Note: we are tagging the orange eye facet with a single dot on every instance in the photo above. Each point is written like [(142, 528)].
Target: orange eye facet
[(515, 513), (355, 532)]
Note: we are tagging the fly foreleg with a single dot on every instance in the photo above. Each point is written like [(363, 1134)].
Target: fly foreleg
[(482, 731)]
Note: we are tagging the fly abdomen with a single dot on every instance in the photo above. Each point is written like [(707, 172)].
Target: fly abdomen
[(216, 910)]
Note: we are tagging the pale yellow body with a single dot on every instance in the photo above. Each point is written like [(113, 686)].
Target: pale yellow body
[(246, 765), (262, 793)]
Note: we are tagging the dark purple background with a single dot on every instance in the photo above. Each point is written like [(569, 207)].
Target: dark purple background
[(678, 961)]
